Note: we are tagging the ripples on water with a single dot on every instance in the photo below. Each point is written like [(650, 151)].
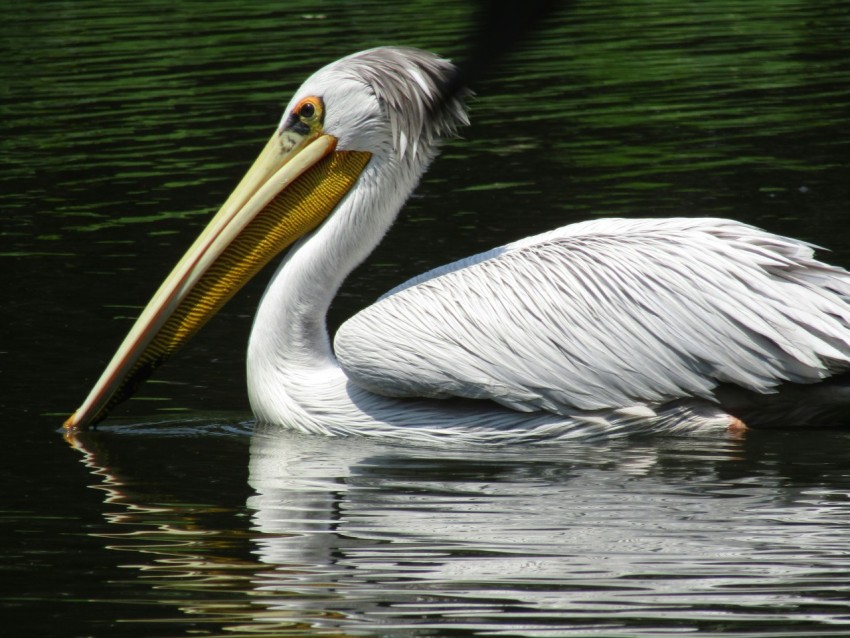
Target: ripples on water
[(629, 538), (126, 124)]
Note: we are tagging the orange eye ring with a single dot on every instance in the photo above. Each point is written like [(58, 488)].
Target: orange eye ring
[(309, 109)]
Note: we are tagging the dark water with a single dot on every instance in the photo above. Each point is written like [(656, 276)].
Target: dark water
[(126, 124)]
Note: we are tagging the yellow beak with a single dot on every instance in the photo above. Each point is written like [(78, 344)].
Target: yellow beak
[(291, 188)]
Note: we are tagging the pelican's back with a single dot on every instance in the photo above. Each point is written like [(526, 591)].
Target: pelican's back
[(607, 314)]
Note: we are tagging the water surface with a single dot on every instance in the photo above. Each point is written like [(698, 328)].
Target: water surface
[(126, 125)]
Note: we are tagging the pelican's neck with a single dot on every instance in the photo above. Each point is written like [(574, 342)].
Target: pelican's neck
[(289, 348)]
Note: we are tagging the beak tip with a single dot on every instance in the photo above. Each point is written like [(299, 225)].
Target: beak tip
[(71, 423)]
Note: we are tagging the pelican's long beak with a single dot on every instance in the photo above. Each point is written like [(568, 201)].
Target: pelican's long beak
[(294, 184)]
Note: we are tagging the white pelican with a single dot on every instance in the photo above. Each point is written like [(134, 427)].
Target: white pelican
[(601, 327)]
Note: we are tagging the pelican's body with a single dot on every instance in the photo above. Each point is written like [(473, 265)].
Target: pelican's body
[(602, 327)]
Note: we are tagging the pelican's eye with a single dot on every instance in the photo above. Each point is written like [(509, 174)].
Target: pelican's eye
[(309, 110), (305, 119)]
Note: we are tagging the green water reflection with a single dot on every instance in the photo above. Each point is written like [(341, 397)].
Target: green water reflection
[(357, 538)]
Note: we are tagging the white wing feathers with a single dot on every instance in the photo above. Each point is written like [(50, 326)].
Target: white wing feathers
[(608, 314)]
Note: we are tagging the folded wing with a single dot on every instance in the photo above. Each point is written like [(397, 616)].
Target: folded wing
[(607, 314)]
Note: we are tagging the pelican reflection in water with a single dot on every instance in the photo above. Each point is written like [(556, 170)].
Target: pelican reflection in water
[(596, 328)]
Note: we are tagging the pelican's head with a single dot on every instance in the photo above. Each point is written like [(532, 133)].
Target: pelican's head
[(391, 102), (387, 105)]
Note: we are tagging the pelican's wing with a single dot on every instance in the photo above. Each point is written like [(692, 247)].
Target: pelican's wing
[(607, 314)]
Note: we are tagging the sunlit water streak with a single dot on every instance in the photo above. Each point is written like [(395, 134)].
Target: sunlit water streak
[(126, 124)]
